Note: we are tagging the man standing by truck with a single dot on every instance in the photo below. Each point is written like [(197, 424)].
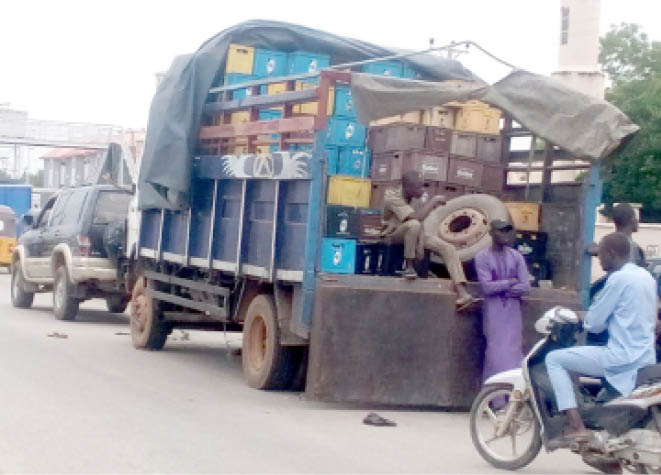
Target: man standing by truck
[(404, 214), (504, 278)]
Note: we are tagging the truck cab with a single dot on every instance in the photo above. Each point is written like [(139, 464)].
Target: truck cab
[(66, 250)]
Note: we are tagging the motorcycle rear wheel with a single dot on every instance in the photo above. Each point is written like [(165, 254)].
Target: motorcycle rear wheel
[(523, 423)]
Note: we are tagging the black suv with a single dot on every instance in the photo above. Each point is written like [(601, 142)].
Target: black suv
[(66, 250)]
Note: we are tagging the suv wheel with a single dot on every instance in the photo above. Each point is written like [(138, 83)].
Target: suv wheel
[(19, 297), (65, 306), (117, 303)]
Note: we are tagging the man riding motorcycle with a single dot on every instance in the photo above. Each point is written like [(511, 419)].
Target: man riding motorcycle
[(627, 308)]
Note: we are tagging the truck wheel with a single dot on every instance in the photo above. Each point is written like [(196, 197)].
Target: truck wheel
[(19, 297), (266, 363), (117, 303), (147, 331), (464, 223), (65, 306)]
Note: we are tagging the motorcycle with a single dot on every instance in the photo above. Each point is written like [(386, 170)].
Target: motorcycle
[(515, 414)]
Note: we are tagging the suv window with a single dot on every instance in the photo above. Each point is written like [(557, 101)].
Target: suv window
[(45, 214), (74, 207), (111, 206), (57, 215)]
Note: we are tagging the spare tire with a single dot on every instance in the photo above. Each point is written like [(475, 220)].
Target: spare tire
[(464, 223), (114, 237)]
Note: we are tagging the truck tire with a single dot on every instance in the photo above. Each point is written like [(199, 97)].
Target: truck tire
[(65, 306), (117, 303), (464, 223), (19, 297), (266, 363), (147, 330)]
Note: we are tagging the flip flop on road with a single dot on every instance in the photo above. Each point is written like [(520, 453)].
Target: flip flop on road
[(373, 419)]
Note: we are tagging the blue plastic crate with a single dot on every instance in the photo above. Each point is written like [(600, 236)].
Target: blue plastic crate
[(332, 160), (231, 79), (301, 147), (385, 68), (271, 114), (338, 256), (354, 161), (344, 103), (345, 132), (410, 73), (269, 63), (301, 62)]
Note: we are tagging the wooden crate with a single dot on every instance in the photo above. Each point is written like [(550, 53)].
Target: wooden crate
[(475, 116), (525, 216), (240, 59), (349, 191)]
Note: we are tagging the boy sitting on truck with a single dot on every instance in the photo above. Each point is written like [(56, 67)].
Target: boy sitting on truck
[(403, 213)]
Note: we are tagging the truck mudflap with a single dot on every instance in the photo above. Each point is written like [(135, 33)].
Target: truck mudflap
[(384, 340)]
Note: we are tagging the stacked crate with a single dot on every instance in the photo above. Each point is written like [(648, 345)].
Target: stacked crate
[(530, 241), (352, 226)]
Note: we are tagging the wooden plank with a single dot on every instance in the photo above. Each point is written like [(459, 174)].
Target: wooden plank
[(262, 82), (294, 124), (263, 101)]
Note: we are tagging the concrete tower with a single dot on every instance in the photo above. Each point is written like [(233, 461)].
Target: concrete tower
[(578, 55)]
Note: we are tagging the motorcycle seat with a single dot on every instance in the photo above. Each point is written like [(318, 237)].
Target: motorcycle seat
[(648, 375)]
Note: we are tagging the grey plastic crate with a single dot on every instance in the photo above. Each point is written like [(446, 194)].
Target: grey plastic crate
[(464, 144), (464, 171), (438, 139), (489, 148), (397, 137), (389, 166)]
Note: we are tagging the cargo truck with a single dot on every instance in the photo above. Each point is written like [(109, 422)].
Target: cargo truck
[(231, 227)]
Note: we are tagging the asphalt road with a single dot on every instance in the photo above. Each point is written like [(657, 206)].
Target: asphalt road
[(91, 403)]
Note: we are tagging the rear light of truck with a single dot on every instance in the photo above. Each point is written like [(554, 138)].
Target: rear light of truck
[(84, 246)]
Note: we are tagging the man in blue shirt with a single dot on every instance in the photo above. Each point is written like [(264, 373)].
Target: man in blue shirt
[(626, 307)]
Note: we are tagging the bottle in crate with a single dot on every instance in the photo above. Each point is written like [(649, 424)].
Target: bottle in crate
[(532, 245)]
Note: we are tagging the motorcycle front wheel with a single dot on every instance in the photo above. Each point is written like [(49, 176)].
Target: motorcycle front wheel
[(522, 440)]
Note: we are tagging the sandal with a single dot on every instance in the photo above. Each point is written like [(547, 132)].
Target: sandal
[(465, 304), (409, 274)]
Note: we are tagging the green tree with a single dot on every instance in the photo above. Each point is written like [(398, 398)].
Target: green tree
[(34, 179), (633, 63)]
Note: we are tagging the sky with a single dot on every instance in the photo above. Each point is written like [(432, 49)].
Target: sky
[(95, 61)]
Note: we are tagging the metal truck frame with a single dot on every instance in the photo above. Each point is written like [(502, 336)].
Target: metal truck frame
[(224, 263)]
